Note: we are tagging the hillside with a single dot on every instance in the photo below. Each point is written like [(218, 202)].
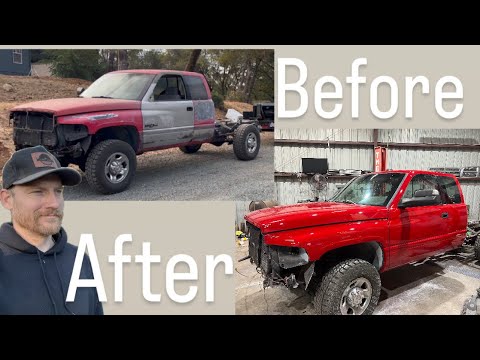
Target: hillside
[(15, 90)]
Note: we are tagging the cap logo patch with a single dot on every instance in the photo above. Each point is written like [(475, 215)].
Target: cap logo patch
[(41, 159)]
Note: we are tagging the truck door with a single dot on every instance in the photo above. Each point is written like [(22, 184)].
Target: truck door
[(167, 113), (455, 208), (419, 231), (203, 107)]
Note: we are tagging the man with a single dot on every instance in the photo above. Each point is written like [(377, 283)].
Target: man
[(36, 262)]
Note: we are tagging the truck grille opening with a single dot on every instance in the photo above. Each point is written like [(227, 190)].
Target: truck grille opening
[(258, 251), (33, 128)]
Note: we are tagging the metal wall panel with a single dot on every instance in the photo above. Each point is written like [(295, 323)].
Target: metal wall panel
[(242, 210), (471, 192), (289, 158), (426, 136), (424, 159), (325, 134), (430, 136), (291, 191)]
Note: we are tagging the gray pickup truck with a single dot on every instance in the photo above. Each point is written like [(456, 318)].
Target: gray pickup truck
[(124, 114)]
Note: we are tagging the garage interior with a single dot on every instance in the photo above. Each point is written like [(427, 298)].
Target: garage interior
[(440, 284)]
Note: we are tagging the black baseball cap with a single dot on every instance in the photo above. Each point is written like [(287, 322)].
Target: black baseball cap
[(32, 163)]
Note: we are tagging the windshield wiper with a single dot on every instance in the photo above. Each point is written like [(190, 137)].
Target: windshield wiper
[(102, 97), (346, 201)]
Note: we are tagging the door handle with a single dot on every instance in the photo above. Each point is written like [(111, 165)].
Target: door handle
[(444, 215), (189, 108)]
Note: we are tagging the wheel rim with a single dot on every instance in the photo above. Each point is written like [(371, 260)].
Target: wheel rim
[(117, 167), (251, 142), (356, 297)]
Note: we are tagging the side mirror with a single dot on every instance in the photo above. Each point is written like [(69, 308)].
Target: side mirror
[(80, 90)]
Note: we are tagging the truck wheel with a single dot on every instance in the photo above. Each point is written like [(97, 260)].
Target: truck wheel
[(190, 149), (477, 248), (351, 287), (246, 142), (111, 166)]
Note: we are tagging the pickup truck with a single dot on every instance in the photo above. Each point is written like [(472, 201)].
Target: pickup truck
[(126, 113), (377, 222)]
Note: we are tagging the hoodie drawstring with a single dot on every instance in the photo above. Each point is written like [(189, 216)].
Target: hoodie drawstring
[(61, 284), (40, 260)]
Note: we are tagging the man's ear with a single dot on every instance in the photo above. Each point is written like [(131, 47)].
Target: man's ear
[(6, 198)]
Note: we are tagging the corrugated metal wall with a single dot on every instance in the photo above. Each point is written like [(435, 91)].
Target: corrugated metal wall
[(290, 191), (424, 159), (242, 210), (426, 136), (471, 192), (430, 136), (325, 134), (288, 158)]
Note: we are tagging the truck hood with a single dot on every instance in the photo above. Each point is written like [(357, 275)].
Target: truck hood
[(71, 106), (281, 218)]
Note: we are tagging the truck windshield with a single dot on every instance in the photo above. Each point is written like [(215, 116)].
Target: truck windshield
[(128, 86), (372, 189)]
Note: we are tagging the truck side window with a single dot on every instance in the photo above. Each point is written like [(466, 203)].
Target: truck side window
[(422, 182), (197, 87), (449, 188), (169, 88)]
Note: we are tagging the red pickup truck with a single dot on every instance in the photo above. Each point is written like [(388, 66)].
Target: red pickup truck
[(124, 114), (377, 222)]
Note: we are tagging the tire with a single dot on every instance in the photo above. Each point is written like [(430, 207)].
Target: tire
[(190, 149), (246, 142), (476, 247), (101, 174), (340, 291)]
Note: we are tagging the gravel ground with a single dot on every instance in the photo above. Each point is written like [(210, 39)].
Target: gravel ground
[(213, 173)]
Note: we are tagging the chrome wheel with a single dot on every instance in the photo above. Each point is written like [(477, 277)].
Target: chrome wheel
[(356, 297), (251, 142), (117, 167)]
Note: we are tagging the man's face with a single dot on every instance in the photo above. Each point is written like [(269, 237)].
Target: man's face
[(36, 206)]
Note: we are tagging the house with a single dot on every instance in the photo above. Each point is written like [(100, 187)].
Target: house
[(15, 62)]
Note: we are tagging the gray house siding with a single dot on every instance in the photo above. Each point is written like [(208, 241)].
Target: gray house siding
[(7, 65)]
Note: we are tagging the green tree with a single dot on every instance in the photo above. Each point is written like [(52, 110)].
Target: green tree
[(244, 75), (192, 61), (76, 63)]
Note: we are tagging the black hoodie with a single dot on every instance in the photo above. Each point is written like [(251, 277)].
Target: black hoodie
[(34, 282)]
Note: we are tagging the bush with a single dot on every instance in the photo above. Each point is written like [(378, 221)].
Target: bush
[(218, 101)]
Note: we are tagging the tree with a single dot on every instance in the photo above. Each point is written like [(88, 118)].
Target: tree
[(76, 63), (122, 59), (192, 62)]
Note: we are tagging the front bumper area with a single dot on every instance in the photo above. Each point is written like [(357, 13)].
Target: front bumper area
[(279, 265)]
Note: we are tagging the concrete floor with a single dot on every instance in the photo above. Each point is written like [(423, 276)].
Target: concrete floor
[(438, 285)]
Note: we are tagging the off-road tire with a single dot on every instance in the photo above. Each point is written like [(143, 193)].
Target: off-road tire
[(476, 247), (328, 297), (97, 159), (190, 149), (242, 144)]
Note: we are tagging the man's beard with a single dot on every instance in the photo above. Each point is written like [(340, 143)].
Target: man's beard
[(33, 224)]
